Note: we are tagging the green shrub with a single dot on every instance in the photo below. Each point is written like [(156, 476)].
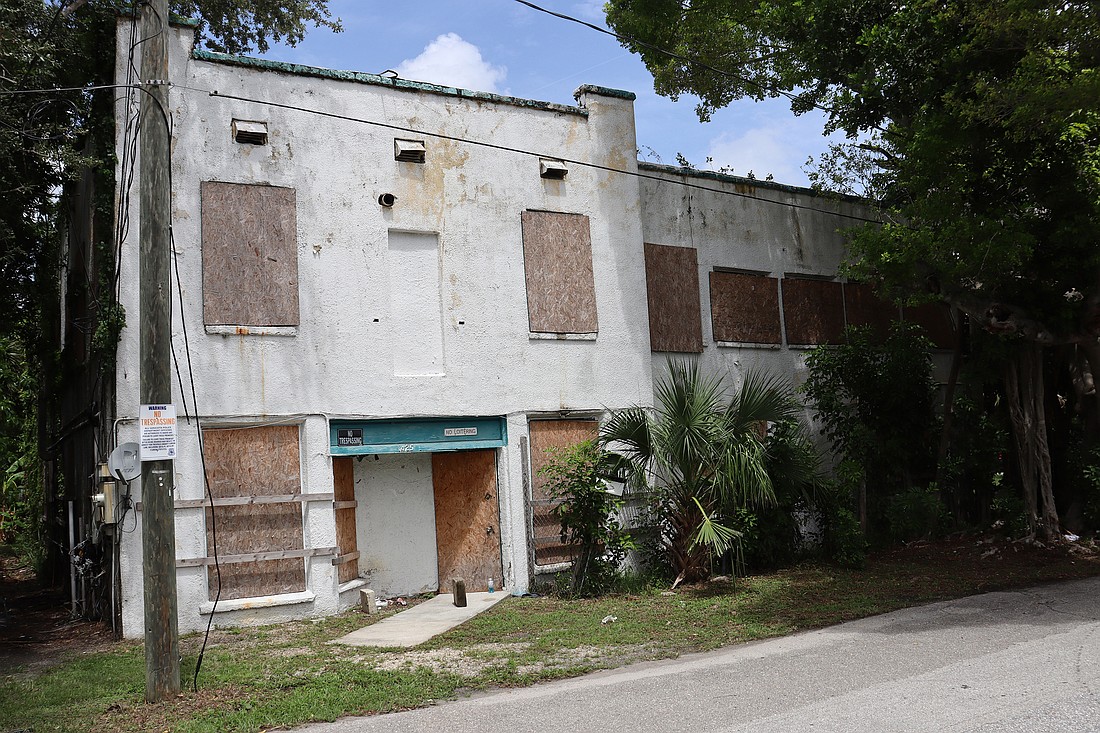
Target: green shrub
[(589, 517), (916, 514)]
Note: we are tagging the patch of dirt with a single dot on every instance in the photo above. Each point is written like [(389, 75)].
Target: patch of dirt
[(141, 716), (36, 627)]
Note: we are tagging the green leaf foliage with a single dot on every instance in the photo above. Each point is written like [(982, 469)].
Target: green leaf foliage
[(703, 453), (975, 125)]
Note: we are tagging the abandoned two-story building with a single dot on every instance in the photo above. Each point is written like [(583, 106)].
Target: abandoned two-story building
[(395, 297)]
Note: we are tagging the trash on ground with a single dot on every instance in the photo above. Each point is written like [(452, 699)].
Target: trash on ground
[(609, 619)]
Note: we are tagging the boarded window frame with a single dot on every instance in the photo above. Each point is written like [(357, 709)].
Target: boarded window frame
[(672, 293), (558, 273), (245, 228), (545, 532), (744, 307), (260, 527), (813, 310)]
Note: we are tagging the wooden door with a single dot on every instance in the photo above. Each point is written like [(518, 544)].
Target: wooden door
[(467, 518)]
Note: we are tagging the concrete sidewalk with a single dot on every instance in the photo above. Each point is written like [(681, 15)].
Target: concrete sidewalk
[(423, 621)]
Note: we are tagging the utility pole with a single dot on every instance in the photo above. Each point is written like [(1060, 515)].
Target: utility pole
[(158, 535)]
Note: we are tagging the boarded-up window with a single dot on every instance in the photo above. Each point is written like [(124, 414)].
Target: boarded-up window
[(813, 311), (672, 287), (935, 319), (546, 530), (249, 255), (255, 462), (557, 262), (864, 308), (744, 308)]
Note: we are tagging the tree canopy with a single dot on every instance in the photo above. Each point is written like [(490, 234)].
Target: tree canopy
[(974, 126), (981, 120)]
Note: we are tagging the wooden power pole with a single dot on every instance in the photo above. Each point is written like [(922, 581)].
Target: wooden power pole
[(158, 535)]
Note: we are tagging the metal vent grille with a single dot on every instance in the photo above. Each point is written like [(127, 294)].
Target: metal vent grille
[(554, 169), (409, 151), (248, 132)]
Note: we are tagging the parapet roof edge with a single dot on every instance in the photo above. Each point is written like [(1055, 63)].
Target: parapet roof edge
[(604, 91), (727, 178), (384, 81)]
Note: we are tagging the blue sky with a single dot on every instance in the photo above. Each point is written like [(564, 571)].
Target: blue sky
[(502, 46)]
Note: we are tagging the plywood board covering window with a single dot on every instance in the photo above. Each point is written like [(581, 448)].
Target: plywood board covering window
[(557, 263), (744, 308), (546, 530), (255, 462), (935, 319), (249, 255), (813, 311), (862, 307), (672, 289)]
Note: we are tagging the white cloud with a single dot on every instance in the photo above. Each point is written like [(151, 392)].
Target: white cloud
[(762, 150), (451, 61), (590, 10)]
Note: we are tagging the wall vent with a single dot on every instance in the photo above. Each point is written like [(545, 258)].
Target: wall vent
[(248, 132), (554, 169), (409, 151)]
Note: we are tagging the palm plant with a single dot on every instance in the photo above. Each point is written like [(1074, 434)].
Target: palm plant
[(704, 455)]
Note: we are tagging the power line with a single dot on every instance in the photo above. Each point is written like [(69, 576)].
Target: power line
[(672, 54), (505, 148)]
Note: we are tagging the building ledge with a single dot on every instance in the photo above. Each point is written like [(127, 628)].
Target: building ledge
[(383, 81), (247, 604)]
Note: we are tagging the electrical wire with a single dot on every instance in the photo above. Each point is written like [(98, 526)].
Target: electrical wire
[(505, 148), (679, 57)]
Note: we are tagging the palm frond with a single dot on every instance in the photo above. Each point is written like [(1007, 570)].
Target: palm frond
[(716, 537)]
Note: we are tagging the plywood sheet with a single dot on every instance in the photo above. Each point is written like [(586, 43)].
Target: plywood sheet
[(862, 307), (744, 308), (546, 530), (557, 262), (935, 319), (255, 462), (467, 517), (343, 484), (249, 255), (813, 311), (672, 288)]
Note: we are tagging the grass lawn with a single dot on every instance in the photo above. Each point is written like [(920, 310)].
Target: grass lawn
[(261, 678)]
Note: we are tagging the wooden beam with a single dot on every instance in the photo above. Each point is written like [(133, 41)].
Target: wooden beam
[(194, 562), (248, 500), (348, 557)]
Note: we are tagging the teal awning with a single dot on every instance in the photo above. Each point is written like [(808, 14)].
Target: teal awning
[(415, 435)]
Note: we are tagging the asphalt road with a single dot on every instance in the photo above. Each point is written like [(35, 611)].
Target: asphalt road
[(997, 663)]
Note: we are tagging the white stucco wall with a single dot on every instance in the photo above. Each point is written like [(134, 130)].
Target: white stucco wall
[(340, 361), (396, 523), (746, 225)]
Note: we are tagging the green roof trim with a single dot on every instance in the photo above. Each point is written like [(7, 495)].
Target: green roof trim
[(604, 92), (744, 181), (361, 77)]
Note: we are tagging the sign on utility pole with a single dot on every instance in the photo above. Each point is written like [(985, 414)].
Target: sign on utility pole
[(158, 535)]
